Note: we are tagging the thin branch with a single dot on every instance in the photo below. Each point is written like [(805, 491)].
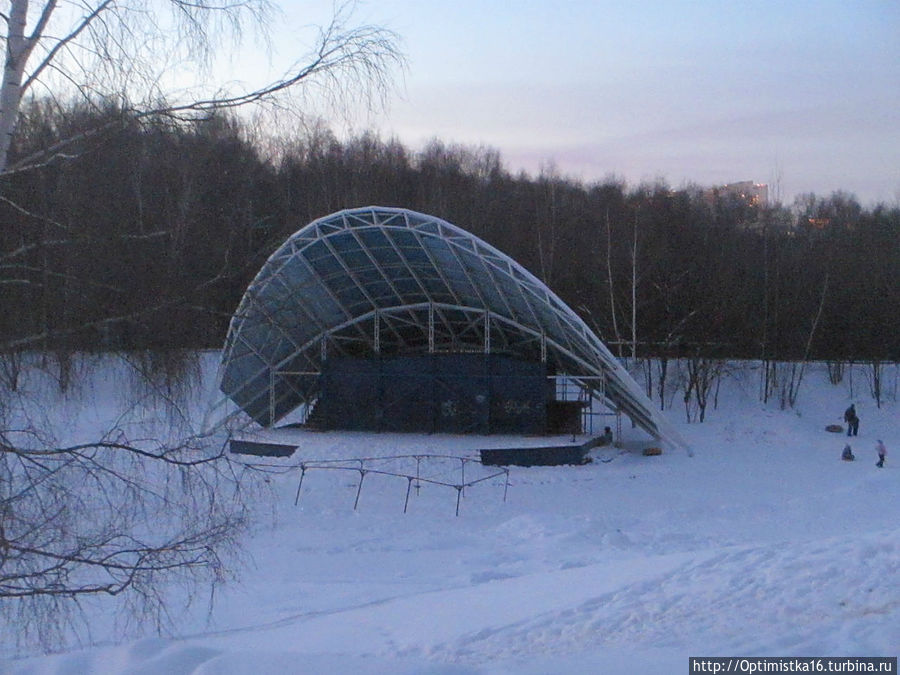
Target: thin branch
[(38, 33)]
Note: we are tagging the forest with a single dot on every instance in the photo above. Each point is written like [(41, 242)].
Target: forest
[(146, 233)]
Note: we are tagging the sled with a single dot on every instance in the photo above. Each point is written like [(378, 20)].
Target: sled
[(835, 428)]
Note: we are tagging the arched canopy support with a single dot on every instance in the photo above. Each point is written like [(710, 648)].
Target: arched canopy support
[(387, 281)]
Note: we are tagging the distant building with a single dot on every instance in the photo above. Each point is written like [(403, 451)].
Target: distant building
[(752, 194)]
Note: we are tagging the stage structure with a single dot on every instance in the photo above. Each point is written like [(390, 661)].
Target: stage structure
[(388, 319)]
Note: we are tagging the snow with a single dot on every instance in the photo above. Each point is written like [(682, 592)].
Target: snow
[(763, 543)]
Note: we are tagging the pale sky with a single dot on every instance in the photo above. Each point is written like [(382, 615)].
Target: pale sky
[(802, 95)]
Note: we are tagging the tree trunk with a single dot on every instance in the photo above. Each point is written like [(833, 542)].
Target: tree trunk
[(634, 244), (794, 388), (612, 297), (17, 49)]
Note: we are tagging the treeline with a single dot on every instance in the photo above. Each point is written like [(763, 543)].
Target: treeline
[(146, 236)]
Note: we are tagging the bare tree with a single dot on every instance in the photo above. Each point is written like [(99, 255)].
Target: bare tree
[(547, 219), (702, 374), (609, 276), (835, 371), (875, 377), (145, 514), (769, 370), (791, 387), (112, 58), (109, 50), (125, 514), (108, 518), (634, 285)]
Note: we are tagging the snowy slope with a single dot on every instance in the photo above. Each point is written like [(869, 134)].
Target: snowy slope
[(762, 543)]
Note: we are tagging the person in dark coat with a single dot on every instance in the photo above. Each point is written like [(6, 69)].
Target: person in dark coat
[(852, 420), (847, 454)]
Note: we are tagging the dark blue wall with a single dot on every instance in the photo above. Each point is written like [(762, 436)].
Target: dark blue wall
[(444, 393)]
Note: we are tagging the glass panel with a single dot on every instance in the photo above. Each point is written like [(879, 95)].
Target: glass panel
[(343, 242), (403, 238), (367, 276), (356, 259), (352, 296), (382, 292), (415, 255), (373, 238), (327, 266), (316, 250)]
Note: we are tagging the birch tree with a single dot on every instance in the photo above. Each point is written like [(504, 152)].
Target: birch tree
[(127, 50), (143, 518)]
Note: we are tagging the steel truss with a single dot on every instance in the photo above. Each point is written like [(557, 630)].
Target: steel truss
[(387, 281)]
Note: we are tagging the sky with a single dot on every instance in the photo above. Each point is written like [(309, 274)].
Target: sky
[(804, 96)]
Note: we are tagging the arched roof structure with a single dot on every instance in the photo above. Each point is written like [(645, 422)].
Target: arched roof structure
[(388, 281)]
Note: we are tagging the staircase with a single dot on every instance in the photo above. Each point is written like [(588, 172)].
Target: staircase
[(316, 420)]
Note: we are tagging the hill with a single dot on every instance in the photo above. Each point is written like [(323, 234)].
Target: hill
[(762, 543)]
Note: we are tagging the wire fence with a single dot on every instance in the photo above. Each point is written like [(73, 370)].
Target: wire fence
[(384, 466)]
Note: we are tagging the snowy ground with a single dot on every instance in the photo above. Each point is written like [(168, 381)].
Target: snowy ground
[(762, 543)]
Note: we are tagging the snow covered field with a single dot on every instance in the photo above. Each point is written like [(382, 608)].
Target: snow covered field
[(762, 543)]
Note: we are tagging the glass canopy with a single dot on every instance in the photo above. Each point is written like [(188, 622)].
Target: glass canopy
[(388, 281)]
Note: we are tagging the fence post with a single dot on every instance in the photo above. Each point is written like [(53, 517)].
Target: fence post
[(300, 484), (362, 475), (409, 480), (462, 461)]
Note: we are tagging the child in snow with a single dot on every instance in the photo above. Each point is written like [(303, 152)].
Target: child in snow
[(852, 420), (882, 453), (607, 437), (847, 454)]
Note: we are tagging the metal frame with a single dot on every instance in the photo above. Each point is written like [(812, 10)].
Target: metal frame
[(425, 285)]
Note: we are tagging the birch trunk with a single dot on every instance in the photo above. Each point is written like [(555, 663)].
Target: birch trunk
[(17, 50)]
